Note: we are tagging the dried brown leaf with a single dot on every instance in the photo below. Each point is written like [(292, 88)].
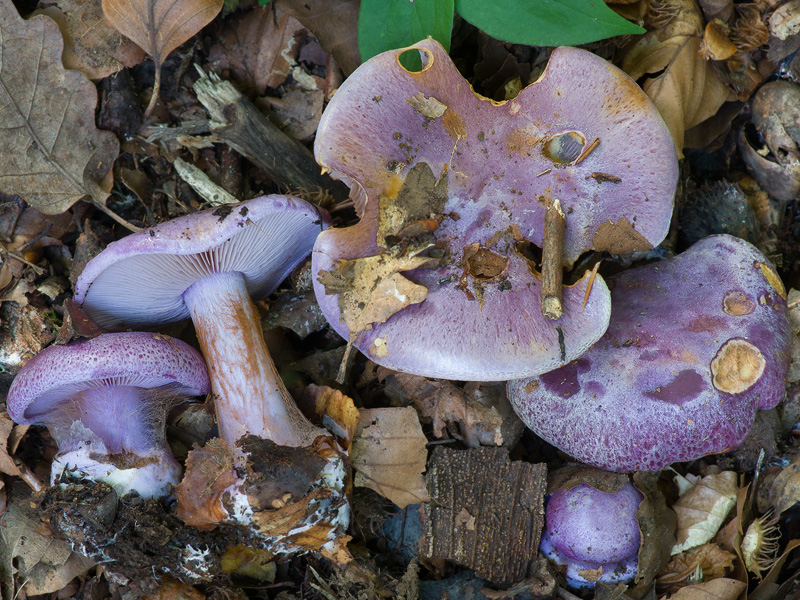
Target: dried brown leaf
[(7, 465), (702, 510), (716, 589), (172, 589), (45, 563), (389, 454), (51, 153), (711, 560), (91, 45), (336, 412), (446, 404), (252, 47), (160, 26), (209, 472), (333, 22), (684, 86)]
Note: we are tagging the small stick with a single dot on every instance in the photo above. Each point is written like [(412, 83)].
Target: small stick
[(590, 284), (553, 260), (586, 152)]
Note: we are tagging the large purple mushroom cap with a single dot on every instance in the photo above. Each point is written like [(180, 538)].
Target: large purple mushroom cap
[(583, 134), (696, 344), (139, 281), (594, 534), (105, 401)]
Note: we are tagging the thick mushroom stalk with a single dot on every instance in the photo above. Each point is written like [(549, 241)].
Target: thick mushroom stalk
[(208, 265), (250, 396), (442, 276)]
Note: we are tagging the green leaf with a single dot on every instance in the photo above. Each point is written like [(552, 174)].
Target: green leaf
[(545, 22), (389, 24)]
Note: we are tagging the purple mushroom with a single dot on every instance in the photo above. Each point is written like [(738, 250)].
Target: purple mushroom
[(105, 401), (696, 344), (594, 535), (208, 265), (442, 173)]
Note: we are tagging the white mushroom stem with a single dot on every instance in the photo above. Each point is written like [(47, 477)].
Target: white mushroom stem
[(250, 397)]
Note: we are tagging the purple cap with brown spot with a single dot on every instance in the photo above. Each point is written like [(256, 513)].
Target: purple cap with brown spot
[(584, 134), (695, 345)]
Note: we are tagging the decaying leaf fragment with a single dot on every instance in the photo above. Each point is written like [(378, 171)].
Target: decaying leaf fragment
[(710, 560), (209, 473), (685, 87), (51, 153), (160, 26), (716, 589), (389, 454), (703, 508)]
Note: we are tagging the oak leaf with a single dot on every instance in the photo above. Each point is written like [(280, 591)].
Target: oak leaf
[(51, 153), (160, 26), (684, 86), (91, 45), (389, 454)]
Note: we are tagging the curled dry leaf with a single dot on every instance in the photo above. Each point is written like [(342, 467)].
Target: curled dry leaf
[(702, 510), (333, 22), (209, 473), (683, 85), (716, 589), (91, 45), (160, 26), (710, 560), (389, 454), (335, 411), (51, 153)]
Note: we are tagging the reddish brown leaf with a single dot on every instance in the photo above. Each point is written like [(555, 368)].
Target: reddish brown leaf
[(160, 26)]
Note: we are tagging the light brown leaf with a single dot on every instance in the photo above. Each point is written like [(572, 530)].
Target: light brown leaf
[(51, 153), (7, 465), (711, 560), (389, 454), (160, 26), (336, 411), (687, 90), (44, 562), (91, 45), (702, 510), (209, 473), (333, 22), (716, 589)]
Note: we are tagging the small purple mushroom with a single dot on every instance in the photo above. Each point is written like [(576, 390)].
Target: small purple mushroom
[(594, 534), (208, 265), (105, 401), (584, 135), (696, 344)]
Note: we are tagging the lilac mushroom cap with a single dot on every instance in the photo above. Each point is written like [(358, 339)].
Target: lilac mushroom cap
[(105, 402), (594, 534), (696, 344), (208, 265), (584, 134)]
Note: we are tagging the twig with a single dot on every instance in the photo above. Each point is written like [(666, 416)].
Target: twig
[(37, 269), (116, 217), (553, 260), (202, 184)]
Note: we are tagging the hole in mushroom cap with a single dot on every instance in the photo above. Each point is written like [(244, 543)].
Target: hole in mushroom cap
[(415, 60), (737, 366), (564, 148), (737, 304)]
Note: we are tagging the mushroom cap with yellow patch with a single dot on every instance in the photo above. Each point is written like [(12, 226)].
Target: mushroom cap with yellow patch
[(695, 345)]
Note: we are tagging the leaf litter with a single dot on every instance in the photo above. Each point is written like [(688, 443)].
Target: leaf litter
[(694, 60)]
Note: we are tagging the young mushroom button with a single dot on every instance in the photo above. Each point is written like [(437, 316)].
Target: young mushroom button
[(696, 344), (105, 400), (441, 275), (208, 265)]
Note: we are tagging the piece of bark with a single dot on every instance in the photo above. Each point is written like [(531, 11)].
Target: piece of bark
[(552, 260), (237, 122), (486, 512)]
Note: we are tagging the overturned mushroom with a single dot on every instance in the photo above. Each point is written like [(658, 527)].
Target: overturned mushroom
[(441, 276), (105, 401), (696, 344)]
